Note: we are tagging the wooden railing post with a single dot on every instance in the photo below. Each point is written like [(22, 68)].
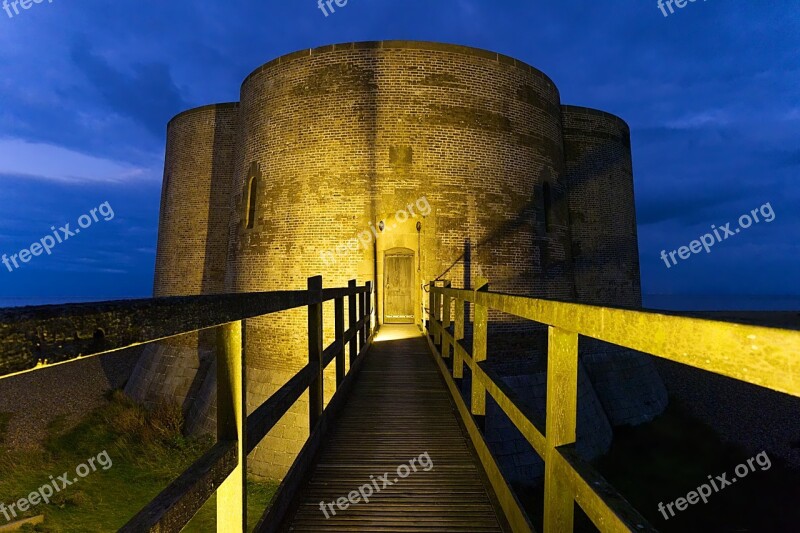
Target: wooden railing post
[(431, 299), (479, 340), (561, 420), (369, 310), (422, 307), (231, 424), (458, 334), (437, 314), (351, 311), (315, 391), (362, 312), (339, 334), (446, 302)]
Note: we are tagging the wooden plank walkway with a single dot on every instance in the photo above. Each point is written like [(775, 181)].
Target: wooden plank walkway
[(399, 410)]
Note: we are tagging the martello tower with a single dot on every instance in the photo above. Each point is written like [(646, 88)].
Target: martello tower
[(328, 143)]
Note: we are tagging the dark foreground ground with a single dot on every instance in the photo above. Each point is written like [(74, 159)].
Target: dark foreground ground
[(747, 416)]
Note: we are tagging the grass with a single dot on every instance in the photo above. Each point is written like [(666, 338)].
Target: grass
[(147, 451), (674, 454), (258, 497)]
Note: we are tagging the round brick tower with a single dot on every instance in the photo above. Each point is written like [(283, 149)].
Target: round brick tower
[(602, 209), (453, 140), (192, 245), (394, 162), (605, 258)]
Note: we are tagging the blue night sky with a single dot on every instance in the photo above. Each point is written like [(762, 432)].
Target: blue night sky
[(710, 93)]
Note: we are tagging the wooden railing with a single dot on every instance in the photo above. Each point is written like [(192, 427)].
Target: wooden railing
[(33, 338), (763, 356)]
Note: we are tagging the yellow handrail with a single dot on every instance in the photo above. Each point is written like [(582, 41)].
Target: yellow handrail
[(764, 356)]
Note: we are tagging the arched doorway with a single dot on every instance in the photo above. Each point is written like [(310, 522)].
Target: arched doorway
[(398, 286)]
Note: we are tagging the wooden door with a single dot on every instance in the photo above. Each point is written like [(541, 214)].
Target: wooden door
[(398, 305)]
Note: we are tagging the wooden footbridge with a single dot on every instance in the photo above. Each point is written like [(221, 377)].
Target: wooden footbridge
[(398, 409), (397, 448)]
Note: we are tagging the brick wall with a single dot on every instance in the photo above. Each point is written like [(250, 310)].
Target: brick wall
[(192, 247), (344, 136), (606, 258), (601, 207)]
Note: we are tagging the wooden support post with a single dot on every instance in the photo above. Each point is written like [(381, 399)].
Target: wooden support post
[(339, 334), (479, 340), (362, 312), (431, 321), (446, 303), (351, 311), (561, 421), (458, 335), (422, 323), (369, 310), (315, 391), (231, 424), (437, 314)]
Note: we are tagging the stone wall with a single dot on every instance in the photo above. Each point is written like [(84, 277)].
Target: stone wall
[(602, 210)]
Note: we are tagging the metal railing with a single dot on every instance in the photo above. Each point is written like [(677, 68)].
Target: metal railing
[(763, 356), (34, 338)]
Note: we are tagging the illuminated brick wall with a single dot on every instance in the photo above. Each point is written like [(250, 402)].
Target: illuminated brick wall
[(344, 136)]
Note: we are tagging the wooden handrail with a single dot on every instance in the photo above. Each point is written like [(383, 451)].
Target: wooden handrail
[(34, 337), (184, 496), (759, 355), (263, 419)]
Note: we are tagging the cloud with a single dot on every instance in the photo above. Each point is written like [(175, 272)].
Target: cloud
[(55, 163), (700, 120), (147, 95), (686, 210)]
